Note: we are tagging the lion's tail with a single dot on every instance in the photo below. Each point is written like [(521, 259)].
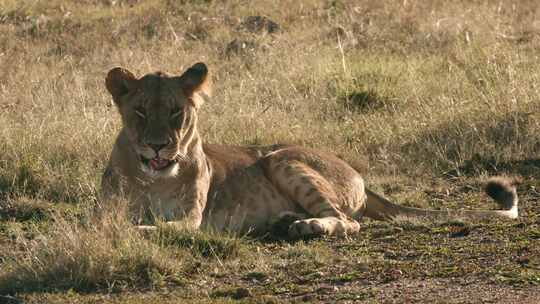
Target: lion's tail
[(502, 190)]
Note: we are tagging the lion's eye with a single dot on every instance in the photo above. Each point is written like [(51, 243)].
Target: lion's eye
[(176, 112), (140, 112)]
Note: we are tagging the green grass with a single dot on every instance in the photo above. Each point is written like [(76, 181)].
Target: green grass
[(427, 99), (205, 244)]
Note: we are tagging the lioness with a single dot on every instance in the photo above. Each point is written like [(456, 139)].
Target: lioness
[(161, 165)]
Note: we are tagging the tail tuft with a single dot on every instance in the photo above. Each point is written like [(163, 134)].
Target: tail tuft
[(503, 191)]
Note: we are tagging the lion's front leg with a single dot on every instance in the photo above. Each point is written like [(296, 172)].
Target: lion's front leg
[(189, 215), (183, 208)]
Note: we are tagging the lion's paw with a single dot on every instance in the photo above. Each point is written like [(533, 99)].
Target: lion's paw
[(307, 228)]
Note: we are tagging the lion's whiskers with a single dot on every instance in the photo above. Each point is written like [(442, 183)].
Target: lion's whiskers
[(182, 158)]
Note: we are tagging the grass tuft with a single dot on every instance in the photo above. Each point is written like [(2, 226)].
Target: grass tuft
[(106, 254)]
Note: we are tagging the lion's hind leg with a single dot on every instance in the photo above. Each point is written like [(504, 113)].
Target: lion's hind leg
[(315, 195)]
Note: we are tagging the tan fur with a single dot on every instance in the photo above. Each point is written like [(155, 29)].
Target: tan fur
[(237, 188)]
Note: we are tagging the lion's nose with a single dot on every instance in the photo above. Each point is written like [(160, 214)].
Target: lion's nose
[(156, 146)]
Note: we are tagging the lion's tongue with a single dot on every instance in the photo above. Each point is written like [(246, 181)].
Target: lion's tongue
[(158, 163)]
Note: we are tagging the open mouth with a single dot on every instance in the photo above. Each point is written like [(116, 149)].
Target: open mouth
[(157, 163)]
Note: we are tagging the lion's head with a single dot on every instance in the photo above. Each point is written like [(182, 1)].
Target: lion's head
[(159, 114)]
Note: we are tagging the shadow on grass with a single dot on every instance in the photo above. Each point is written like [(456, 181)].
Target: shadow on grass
[(22, 210), (464, 148), (478, 164), (365, 101)]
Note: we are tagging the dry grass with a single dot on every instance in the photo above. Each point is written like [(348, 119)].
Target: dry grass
[(426, 98)]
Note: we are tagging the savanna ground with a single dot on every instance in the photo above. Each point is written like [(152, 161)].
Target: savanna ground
[(426, 98)]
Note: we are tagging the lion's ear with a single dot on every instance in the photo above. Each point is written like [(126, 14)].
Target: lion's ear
[(195, 80), (119, 81)]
